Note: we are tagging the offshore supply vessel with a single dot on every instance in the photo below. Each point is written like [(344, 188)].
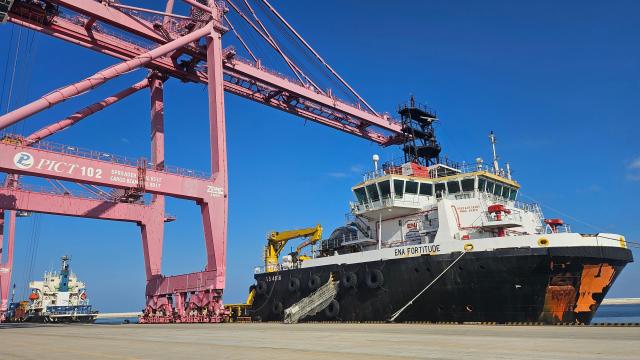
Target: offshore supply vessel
[(59, 298), (437, 241)]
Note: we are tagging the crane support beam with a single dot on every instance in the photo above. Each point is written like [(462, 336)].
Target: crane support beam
[(69, 205), (114, 17), (241, 78), (99, 78), (8, 229), (81, 114), (36, 161)]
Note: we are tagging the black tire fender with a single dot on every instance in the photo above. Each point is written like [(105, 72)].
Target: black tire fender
[(261, 287), (314, 282), (349, 279), (294, 284), (277, 307), (374, 279), (333, 309)]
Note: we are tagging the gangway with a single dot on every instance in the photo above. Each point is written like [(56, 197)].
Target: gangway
[(313, 303)]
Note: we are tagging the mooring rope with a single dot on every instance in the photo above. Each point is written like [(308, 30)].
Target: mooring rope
[(397, 313)]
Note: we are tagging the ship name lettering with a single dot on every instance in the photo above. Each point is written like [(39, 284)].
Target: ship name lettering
[(417, 250), (273, 278)]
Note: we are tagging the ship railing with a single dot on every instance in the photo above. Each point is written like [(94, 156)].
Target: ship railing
[(564, 228), (513, 218), (394, 167)]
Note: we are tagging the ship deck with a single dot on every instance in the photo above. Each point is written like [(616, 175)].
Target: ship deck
[(316, 341)]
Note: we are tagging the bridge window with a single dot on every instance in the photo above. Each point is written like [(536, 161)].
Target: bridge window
[(490, 186), (468, 184), (512, 195), (361, 195), (505, 192), (481, 184), (372, 191), (497, 190), (385, 189), (411, 188), (440, 189), (453, 187), (398, 187), (426, 189)]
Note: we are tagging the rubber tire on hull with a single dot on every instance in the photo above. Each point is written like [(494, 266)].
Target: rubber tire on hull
[(294, 284), (349, 279), (261, 287), (374, 279), (333, 309), (314, 282), (277, 307)]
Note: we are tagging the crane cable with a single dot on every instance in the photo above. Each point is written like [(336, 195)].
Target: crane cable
[(6, 67)]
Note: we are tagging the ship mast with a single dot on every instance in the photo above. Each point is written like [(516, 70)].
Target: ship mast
[(420, 145)]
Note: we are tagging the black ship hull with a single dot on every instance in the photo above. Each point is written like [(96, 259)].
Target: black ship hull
[(548, 285)]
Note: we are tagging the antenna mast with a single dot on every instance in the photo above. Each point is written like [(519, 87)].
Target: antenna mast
[(492, 138)]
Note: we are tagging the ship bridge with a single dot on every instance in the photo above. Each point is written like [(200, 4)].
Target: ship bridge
[(398, 190)]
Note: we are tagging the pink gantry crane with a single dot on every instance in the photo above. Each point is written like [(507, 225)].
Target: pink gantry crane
[(189, 48)]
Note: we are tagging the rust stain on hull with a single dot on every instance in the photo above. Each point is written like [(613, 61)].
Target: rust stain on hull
[(558, 300), (595, 278)]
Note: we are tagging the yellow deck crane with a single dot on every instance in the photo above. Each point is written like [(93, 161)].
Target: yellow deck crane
[(276, 241)]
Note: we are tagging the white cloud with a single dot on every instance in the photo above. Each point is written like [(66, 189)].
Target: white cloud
[(358, 169), (633, 177), (337, 174), (634, 164)]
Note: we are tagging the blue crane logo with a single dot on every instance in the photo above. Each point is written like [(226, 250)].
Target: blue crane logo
[(23, 160)]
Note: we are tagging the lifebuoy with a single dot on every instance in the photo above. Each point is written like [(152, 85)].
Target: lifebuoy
[(277, 307), (349, 279), (332, 309), (294, 284), (314, 282), (261, 288), (374, 279)]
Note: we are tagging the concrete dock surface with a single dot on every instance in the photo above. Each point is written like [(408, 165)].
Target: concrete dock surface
[(316, 341)]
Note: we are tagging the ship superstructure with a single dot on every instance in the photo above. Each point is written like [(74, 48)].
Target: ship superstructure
[(59, 297), (434, 240)]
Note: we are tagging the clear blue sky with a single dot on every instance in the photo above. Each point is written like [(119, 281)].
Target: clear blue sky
[(559, 83)]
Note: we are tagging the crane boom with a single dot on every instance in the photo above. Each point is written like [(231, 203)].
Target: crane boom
[(244, 78), (277, 240)]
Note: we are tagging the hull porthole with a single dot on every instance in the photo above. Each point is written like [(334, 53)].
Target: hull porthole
[(543, 242)]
